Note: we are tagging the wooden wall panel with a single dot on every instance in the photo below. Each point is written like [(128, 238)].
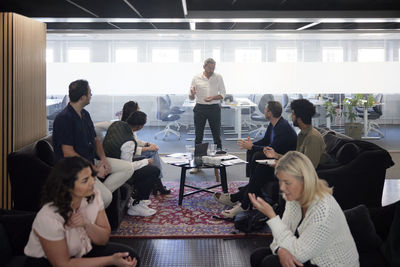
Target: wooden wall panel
[(23, 84), (29, 80)]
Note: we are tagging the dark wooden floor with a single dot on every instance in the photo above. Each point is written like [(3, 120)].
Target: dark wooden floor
[(215, 252)]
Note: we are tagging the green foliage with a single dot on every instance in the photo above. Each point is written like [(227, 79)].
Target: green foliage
[(330, 109), (359, 100)]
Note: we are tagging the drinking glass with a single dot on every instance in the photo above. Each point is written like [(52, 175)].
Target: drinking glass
[(213, 149)]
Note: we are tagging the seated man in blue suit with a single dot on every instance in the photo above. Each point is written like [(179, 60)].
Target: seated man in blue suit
[(281, 137)]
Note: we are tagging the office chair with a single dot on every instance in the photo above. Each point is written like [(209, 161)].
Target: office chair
[(374, 113), (261, 118), (248, 111), (286, 110), (164, 113), (178, 111)]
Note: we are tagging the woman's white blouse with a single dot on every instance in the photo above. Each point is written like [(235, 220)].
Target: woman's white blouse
[(324, 236), (50, 225)]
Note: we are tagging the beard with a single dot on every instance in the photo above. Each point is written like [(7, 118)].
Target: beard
[(295, 123)]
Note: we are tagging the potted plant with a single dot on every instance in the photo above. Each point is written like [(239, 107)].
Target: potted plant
[(353, 128), (330, 112)]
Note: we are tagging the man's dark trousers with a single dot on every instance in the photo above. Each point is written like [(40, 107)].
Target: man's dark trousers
[(212, 113)]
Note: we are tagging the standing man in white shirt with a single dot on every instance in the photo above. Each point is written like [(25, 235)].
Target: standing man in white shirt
[(208, 89)]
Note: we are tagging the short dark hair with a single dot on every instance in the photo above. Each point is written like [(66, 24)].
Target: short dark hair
[(128, 108), (209, 61), (77, 89), (137, 118), (303, 109), (275, 108)]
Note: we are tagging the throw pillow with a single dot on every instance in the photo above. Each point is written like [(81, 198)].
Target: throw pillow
[(362, 229), (18, 228), (333, 143), (45, 152), (347, 153)]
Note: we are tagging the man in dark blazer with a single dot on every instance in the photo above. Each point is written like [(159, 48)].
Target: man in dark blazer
[(280, 136)]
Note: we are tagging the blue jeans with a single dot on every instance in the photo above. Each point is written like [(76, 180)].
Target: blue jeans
[(156, 159)]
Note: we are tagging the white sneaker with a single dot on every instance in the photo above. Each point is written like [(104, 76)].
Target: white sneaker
[(146, 202), (141, 210)]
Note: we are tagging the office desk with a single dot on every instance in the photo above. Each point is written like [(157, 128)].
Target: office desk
[(239, 104)]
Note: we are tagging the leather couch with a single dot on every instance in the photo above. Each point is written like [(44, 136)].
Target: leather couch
[(357, 170), (29, 168)]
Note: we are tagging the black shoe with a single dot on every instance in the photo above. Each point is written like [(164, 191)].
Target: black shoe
[(159, 187), (220, 151)]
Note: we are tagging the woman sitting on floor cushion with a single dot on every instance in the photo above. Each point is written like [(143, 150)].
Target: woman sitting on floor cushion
[(313, 230), (120, 143), (71, 228), (145, 149)]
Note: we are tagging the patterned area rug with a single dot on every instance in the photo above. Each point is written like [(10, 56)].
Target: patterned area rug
[(191, 220)]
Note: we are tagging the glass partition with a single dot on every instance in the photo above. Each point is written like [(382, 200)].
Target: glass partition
[(325, 68)]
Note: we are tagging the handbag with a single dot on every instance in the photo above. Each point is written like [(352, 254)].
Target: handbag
[(250, 221)]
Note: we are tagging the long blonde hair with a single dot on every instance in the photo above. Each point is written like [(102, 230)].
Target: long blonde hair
[(300, 166)]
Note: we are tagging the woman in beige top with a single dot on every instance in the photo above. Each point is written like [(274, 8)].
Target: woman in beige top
[(72, 229)]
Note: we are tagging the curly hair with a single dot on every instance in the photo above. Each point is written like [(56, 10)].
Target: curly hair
[(128, 108), (304, 109), (61, 181)]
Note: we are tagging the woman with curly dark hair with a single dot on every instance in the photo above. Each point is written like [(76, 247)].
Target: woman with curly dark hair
[(71, 228)]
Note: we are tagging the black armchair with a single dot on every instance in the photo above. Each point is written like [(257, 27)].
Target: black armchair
[(358, 171), (29, 169)]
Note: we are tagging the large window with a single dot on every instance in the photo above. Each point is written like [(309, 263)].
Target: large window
[(78, 55), (197, 56), (248, 55), (216, 54), (49, 55), (126, 55), (332, 54), (286, 55), (371, 55), (165, 55)]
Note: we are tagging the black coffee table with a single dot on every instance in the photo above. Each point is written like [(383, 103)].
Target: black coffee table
[(185, 167)]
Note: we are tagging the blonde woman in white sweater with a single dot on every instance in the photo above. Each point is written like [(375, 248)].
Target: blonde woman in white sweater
[(313, 230)]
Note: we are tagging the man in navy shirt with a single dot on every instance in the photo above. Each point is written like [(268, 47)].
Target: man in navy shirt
[(281, 137), (74, 135)]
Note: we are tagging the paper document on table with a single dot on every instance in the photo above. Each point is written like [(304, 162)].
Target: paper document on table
[(172, 160), (226, 157), (233, 162), (266, 161), (177, 155)]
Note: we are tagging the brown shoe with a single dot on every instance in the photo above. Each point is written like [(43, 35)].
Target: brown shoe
[(224, 199), (233, 212)]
